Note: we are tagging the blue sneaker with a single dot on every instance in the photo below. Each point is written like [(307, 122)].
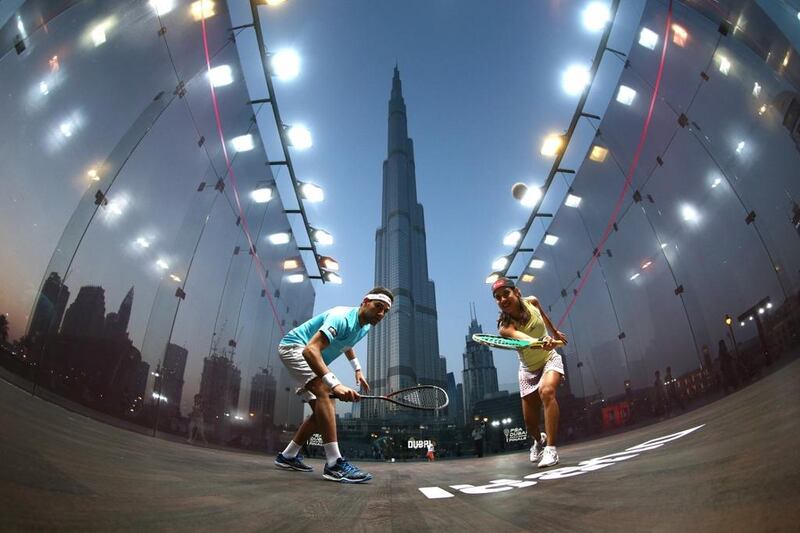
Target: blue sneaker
[(344, 472), (295, 463)]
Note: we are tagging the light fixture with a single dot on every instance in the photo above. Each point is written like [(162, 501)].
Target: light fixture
[(43, 88), (762, 109), (500, 263), (740, 147), (572, 200), (646, 264), (598, 153), (634, 276), (295, 278), (528, 196), (679, 35), (751, 317), (785, 62), (328, 263), (552, 145), (291, 264), (756, 89), (648, 38), (689, 213), (202, 9), (285, 64), (162, 7), (66, 129), (716, 183), (311, 192), (262, 193), (332, 277), (162, 264), (512, 238), (175, 278), (550, 239), (279, 238), (142, 242), (299, 137), (663, 245), (741, 323), (321, 236), (596, 16), (492, 278), (724, 65), (625, 95), (93, 175), (575, 79), (243, 143), (536, 263), (528, 278), (274, 3), (769, 305), (220, 76), (98, 34)]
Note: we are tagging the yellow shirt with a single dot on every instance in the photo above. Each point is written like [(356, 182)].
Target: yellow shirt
[(533, 358)]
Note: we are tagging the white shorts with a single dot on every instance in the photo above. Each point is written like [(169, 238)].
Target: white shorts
[(529, 381), (296, 364)]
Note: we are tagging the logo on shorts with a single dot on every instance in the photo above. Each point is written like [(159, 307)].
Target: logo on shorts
[(332, 330)]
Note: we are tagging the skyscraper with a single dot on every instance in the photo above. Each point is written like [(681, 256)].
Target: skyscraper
[(456, 407), (116, 325), (86, 315), (219, 386), (50, 307), (262, 401), (169, 382), (404, 349), (480, 374)]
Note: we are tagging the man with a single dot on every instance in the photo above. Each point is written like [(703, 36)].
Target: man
[(660, 397), (307, 350), (196, 423), (540, 369), (673, 395), (477, 437)]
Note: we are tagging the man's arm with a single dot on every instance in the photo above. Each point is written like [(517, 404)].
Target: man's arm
[(360, 380), (312, 353)]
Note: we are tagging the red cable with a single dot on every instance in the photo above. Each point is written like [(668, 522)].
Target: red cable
[(261, 271), (631, 170)]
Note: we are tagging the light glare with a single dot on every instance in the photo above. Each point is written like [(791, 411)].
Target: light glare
[(689, 213), (243, 143), (311, 192), (299, 137), (261, 195), (596, 16), (162, 7), (724, 65), (528, 278), (598, 154), (625, 95), (575, 79), (572, 200), (500, 263), (285, 64), (537, 263), (648, 38), (220, 76), (202, 9), (552, 145), (531, 197), (512, 238), (279, 238), (323, 237), (492, 278), (295, 278), (550, 239)]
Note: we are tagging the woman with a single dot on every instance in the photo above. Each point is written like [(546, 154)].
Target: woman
[(540, 369)]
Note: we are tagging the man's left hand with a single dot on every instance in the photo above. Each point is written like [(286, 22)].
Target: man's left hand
[(361, 381)]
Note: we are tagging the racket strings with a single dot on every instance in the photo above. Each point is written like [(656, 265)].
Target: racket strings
[(424, 398)]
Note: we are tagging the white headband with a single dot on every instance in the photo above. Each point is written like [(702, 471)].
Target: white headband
[(380, 297)]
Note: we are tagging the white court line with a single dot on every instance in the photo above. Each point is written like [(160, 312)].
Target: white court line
[(435, 492)]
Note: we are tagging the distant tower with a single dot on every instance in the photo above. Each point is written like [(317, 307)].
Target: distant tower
[(404, 349), (85, 317), (480, 374), (50, 307)]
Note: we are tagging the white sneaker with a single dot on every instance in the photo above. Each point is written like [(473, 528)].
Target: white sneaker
[(538, 448), (549, 457)]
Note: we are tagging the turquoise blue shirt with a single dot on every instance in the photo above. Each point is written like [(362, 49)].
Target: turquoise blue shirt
[(339, 324)]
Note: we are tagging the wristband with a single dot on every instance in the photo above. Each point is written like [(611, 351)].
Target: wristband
[(330, 380), (355, 364)]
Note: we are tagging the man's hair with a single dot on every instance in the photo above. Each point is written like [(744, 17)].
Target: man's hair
[(384, 291)]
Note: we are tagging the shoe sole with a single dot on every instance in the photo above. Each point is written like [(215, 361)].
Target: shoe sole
[(547, 466), (284, 466), (345, 480)]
